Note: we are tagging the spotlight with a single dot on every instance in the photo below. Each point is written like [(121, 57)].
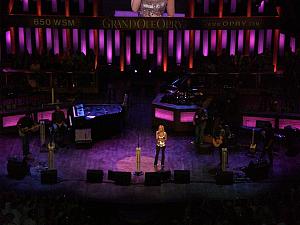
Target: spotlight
[(150, 71), (135, 71)]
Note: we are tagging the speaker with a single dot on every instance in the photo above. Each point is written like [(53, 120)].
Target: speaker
[(182, 177), (17, 169), (94, 176), (111, 175), (122, 178), (224, 177), (48, 176), (152, 179), (165, 175), (257, 170)]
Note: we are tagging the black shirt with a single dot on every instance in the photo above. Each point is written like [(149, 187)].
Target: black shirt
[(201, 116), (58, 116), (25, 121)]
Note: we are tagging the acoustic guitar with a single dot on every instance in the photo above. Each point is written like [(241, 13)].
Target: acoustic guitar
[(252, 144), (26, 130), (217, 141)]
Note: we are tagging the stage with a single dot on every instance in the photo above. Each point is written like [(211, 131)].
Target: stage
[(118, 153)]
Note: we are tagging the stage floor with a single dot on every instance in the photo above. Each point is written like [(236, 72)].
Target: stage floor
[(118, 153)]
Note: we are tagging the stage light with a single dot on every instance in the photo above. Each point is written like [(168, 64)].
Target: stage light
[(135, 71), (150, 71)]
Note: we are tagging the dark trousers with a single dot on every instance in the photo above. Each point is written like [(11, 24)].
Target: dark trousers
[(269, 152), (199, 132), (162, 155), (25, 144)]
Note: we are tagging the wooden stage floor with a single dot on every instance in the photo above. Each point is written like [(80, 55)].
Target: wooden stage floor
[(118, 153)]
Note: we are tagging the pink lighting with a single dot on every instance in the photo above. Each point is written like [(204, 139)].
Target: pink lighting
[(233, 6), (47, 115), (186, 42), (81, 6), (269, 39), (11, 121), (252, 41), (28, 40), (101, 42), (83, 41), (250, 121), (232, 42), (75, 39), (206, 6), (144, 45), (64, 39), (261, 8), (224, 39), (213, 40), (293, 44), (49, 38), (128, 50), (21, 39), (164, 114), (241, 41), (187, 117), (109, 47), (151, 42), (205, 43), (179, 47), (117, 42), (197, 40), (37, 40), (281, 44), (289, 122), (25, 6), (171, 43), (56, 41), (8, 42), (91, 39), (261, 39), (138, 42), (54, 5), (159, 51)]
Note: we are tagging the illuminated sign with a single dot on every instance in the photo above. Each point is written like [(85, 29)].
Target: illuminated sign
[(142, 23)]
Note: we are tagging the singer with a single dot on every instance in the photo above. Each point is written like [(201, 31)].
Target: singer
[(153, 8), (161, 138)]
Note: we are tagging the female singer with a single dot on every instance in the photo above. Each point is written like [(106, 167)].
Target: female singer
[(161, 138), (153, 8)]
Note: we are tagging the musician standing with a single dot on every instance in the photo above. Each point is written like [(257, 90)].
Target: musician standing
[(268, 136), (25, 125), (161, 138), (200, 121), (59, 126)]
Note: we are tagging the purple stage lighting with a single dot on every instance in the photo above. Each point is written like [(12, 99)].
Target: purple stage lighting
[(293, 44), (159, 51), (109, 47), (171, 42), (56, 41), (28, 40), (75, 39), (83, 41), (138, 42), (186, 42), (232, 42), (205, 43), (151, 42), (128, 50), (54, 5), (179, 47), (91, 39), (281, 44), (25, 6), (241, 41), (8, 42), (144, 45), (252, 41), (101, 42), (21, 39), (49, 38), (213, 40), (117, 42), (224, 39), (197, 40), (261, 40)]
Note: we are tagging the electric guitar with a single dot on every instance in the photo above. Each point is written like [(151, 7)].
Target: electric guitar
[(217, 141), (252, 145), (26, 130)]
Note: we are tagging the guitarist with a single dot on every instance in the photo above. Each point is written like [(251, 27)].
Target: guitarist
[(220, 139), (25, 126), (59, 125), (268, 141)]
